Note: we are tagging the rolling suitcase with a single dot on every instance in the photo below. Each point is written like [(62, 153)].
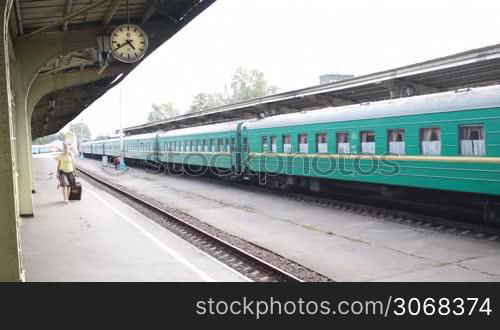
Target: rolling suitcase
[(75, 194)]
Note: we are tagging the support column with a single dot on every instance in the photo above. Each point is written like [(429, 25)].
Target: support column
[(23, 144), (30, 139), (10, 260)]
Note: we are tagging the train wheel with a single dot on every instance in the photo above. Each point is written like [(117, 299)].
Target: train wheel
[(491, 213)]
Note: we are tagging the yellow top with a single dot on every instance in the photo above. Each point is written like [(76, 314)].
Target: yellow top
[(66, 163)]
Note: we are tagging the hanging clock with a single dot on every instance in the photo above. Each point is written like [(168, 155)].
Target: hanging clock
[(129, 43)]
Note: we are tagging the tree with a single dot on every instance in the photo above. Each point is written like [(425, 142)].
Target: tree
[(249, 85), (81, 131), (162, 111), (203, 101), (49, 138), (246, 85)]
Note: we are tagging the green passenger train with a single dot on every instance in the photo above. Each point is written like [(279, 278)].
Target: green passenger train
[(447, 141)]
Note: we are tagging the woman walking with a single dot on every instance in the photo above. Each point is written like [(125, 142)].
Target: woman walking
[(65, 171)]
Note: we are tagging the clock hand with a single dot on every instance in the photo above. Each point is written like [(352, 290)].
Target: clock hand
[(120, 46), (130, 43)]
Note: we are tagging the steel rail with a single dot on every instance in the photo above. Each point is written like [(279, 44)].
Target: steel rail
[(228, 246)]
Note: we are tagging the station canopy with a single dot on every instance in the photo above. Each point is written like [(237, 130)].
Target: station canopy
[(473, 68), (31, 19)]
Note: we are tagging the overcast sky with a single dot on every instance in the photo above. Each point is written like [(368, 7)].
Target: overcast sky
[(293, 42)]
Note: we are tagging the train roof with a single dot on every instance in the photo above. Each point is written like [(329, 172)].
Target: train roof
[(125, 138), (474, 98), (140, 136), (205, 129)]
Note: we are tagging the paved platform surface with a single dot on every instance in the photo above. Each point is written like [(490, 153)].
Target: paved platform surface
[(101, 239), (341, 245)]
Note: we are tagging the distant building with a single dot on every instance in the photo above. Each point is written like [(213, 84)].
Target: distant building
[(333, 77)]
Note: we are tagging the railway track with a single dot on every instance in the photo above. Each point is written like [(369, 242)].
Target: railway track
[(371, 209), (251, 264)]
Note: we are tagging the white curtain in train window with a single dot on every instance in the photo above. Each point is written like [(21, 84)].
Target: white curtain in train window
[(287, 144), (205, 146), (343, 145), (397, 142), (264, 144), (431, 141), (274, 147), (472, 141), (220, 145), (368, 142), (303, 144), (322, 143)]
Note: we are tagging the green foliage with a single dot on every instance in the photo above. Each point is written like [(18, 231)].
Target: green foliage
[(49, 138), (204, 101), (162, 111), (245, 84), (81, 131), (248, 85)]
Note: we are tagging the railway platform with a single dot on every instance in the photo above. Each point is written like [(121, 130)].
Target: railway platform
[(341, 245), (102, 239)]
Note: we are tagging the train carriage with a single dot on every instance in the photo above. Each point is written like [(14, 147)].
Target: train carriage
[(140, 147), (443, 142), (210, 146), (112, 147), (98, 147), (86, 148), (447, 141)]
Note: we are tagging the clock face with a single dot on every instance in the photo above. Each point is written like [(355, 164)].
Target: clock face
[(129, 43)]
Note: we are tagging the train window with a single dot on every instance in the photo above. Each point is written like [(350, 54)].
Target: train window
[(343, 145), (430, 141), (368, 142), (220, 145), (472, 140), (232, 143), (228, 146), (396, 139), (245, 145), (303, 143), (287, 143), (274, 147), (212, 145), (264, 144), (321, 142)]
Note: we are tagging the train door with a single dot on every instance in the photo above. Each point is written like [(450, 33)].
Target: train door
[(156, 147), (237, 150)]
